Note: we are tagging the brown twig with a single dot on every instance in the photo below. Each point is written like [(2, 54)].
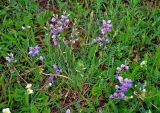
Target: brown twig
[(57, 75)]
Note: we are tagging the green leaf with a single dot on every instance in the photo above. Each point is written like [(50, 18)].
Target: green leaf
[(34, 109), (46, 110), (96, 90), (92, 52)]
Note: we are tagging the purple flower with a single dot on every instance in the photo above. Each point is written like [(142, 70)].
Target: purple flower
[(51, 26), (58, 71), (9, 59), (121, 95), (68, 111), (99, 39), (105, 47), (54, 18), (107, 40), (126, 68), (125, 84), (55, 67), (95, 40), (120, 79), (65, 21), (117, 87), (120, 90), (64, 17), (117, 94), (106, 27), (58, 25), (111, 97), (59, 29), (59, 46), (100, 44), (122, 67), (123, 88), (118, 70), (34, 50), (55, 41), (102, 39), (50, 79), (54, 31)]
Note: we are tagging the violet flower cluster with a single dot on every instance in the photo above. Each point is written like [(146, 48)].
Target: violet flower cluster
[(106, 26), (103, 40), (50, 80), (125, 83), (58, 25), (34, 50)]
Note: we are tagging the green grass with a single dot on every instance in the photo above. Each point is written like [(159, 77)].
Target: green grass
[(135, 37)]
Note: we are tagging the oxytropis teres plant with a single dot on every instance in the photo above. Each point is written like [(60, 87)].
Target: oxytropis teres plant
[(61, 23)]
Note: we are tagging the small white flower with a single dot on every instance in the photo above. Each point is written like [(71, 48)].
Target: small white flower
[(131, 96), (54, 36), (29, 91), (28, 27), (6, 110), (122, 66), (40, 58), (119, 69), (15, 61), (23, 27), (29, 86), (11, 55), (50, 84), (143, 63), (144, 90), (109, 21)]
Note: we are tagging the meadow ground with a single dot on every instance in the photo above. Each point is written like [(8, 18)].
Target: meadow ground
[(80, 56)]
